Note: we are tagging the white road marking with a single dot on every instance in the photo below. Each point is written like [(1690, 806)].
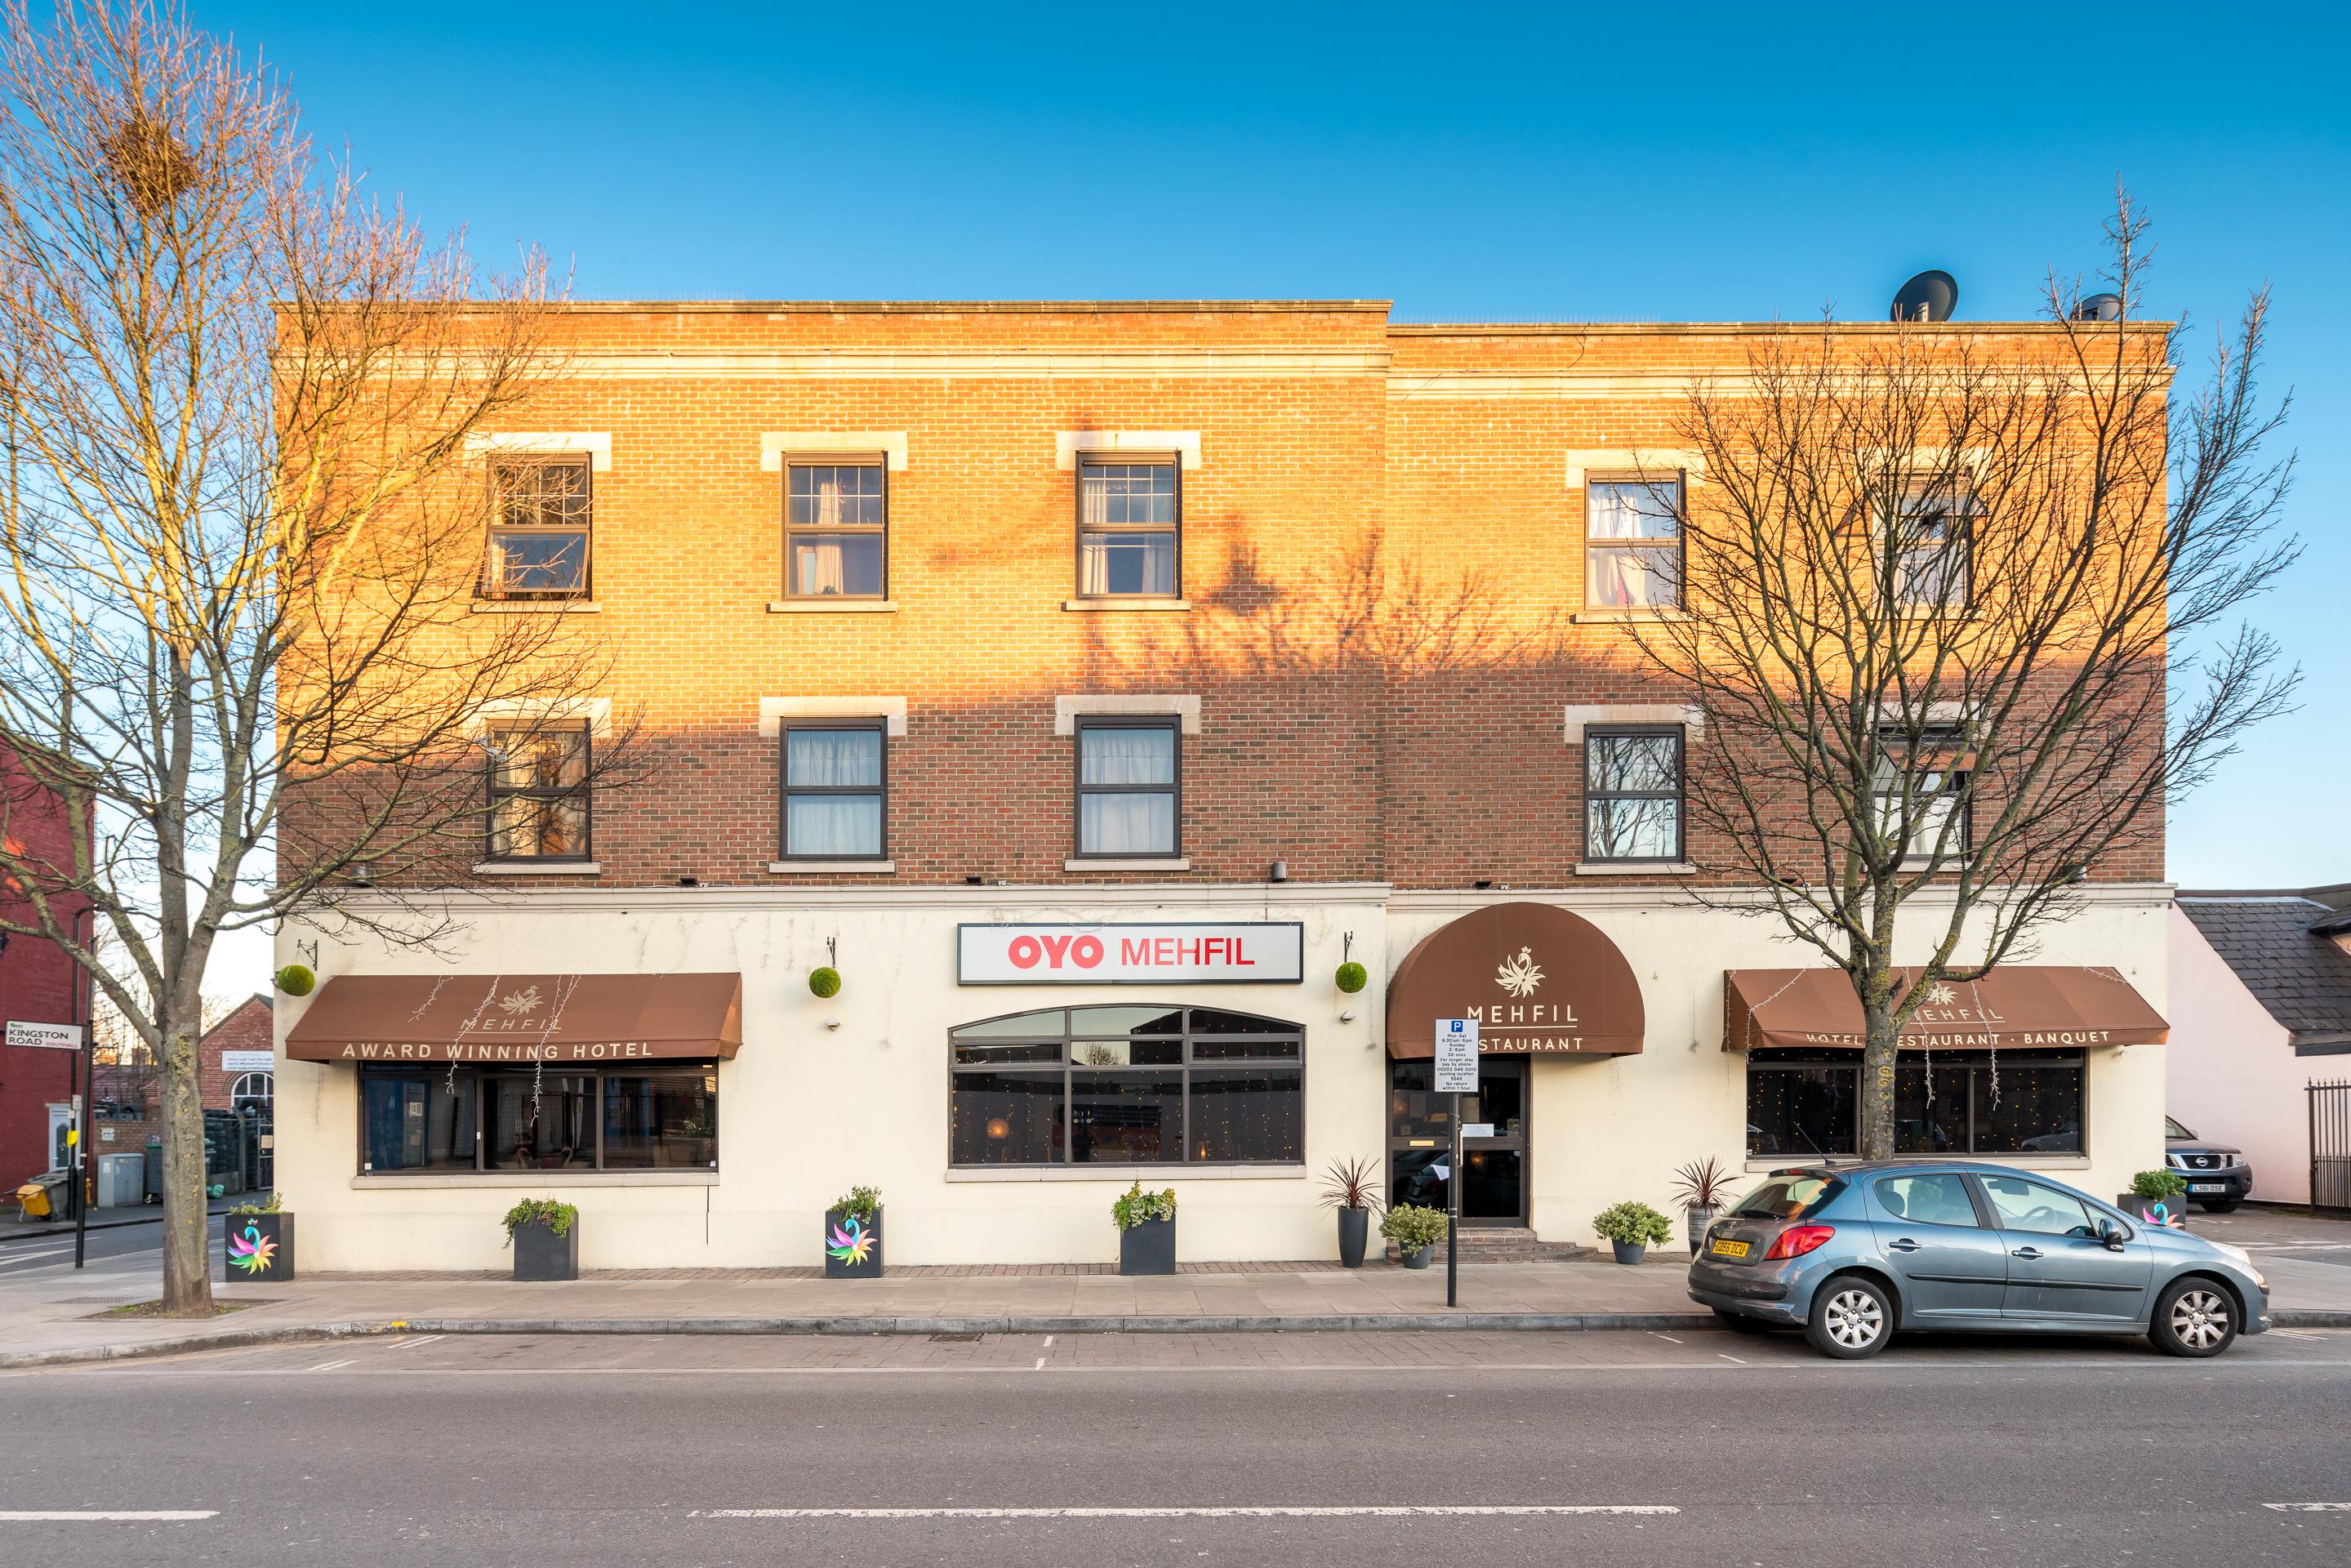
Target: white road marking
[(1732, 1359), (1667, 1337), (1041, 1365), (64, 1516), (413, 1343), (2309, 1507), (334, 1366), (1368, 1510), (1049, 1341)]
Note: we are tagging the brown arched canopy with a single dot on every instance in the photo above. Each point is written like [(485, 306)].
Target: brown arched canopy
[(1537, 979)]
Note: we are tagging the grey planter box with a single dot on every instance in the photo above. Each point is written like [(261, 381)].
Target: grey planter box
[(541, 1254), (1354, 1233), (843, 1233), (1630, 1251), (1148, 1248), (258, 1248), (1416, 1257)]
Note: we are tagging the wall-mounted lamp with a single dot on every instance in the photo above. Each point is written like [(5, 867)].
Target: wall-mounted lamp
[(1282, 871), (832, 1023), (689, 882), (1348, 1016), (1484, 882), (974, 880)]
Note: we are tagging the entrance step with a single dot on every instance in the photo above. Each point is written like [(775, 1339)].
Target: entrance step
[(1508, 1244)]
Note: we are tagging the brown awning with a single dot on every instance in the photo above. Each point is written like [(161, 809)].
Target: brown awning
[(1537, 979), (2020, 1006), (520, 1018)]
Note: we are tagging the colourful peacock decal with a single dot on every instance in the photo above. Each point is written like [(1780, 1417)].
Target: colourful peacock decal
[(851, 1242), (2156, 1212), (252, 1251)]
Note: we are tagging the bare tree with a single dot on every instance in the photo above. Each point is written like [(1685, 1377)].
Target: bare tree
[(242, 524), (1959, 615)]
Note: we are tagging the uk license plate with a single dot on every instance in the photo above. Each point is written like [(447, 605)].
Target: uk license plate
[(1726, 1248), (2208, 1187)]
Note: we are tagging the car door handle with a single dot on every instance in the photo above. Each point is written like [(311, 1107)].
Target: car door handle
[(1904, 1245), (2027, 1253)]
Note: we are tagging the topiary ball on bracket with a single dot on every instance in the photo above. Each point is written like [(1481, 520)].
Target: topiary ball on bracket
[(824, 981), (1353, 978), (296, 980)]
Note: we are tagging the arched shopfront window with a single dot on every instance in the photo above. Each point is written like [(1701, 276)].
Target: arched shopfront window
[(251, 1089), (1133, 1084)]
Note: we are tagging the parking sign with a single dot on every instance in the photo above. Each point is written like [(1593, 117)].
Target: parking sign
[(1456, 1056)]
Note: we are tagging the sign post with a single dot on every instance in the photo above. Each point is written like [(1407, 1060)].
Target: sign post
[(1457, 1074)]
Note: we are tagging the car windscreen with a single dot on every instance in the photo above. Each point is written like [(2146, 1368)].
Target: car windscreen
[(2172, 1129), (1791, 1197)]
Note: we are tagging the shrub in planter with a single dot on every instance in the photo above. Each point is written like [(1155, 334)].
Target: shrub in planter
[(1351, 1192), (257, 1242), (2157, 1197), (1632, 1228), (1416, 1230), (852, 1236), (545, 1235), (1702, 1188), (1146, 1230)]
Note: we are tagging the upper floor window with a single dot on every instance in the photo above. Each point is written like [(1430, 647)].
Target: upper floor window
[(833, 791), (1933, 554), (1633, 794), (1128, 788), (542, 518), (837, 530), (1936, 773), (1129, 525), (539, 793), (1633, 543)]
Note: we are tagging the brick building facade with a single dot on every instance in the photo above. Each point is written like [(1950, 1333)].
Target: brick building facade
[(38, 985), (1275, 622)]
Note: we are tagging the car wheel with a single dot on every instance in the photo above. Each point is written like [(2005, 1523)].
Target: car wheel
[(1852, 1318), (2222, 1205), (1739, 1322), (2193, 1317)]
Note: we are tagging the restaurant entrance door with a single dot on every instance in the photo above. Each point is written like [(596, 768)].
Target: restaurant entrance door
[(1420, 1141)]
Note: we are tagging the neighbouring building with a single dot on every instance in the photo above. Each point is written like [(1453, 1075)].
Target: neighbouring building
[(2261, 1011), (40, 997), (235, 1074), (1085, 684)]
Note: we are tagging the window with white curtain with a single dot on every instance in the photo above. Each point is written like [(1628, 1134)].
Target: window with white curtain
[(1633, 543), (1921, 791), (834, 782), (836, 530), (1128, 523), (1129, 792)]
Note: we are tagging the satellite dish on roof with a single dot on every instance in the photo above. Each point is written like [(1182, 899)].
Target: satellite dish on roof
[(1929, 296), (2099, 307)]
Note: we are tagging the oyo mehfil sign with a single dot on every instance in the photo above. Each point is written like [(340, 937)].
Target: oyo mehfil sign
[(1223, 952), (1537, 980)]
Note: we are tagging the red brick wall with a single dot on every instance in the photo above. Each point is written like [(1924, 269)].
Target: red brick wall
[(37, 984)]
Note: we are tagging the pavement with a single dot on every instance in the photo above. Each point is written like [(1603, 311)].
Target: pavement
[(1367, 1449), (54, 1315)]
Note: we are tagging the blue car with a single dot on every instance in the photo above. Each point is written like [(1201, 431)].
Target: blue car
[(1851, 1253)]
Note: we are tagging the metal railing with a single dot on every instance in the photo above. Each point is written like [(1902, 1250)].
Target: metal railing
[(2330, 1145)]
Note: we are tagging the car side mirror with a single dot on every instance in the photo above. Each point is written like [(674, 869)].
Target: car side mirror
[(2112, 1235)]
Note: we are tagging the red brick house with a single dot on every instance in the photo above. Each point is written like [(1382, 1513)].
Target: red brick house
[(39, 985)]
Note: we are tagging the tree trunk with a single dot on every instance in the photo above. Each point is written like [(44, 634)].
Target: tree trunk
[(187, 1273), (1878, 1053)]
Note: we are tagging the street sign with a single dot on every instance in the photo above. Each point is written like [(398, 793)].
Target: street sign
[(44, 1036), (1456, 1056), (248, 1061)]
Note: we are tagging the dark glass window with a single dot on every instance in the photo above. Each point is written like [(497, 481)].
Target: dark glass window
[(539, 803), (634, 1119), (1128, 526), (1791, 1196), (1799, 1105), (1134, 1084), (1129, 787), (837, 530), (833, 791), (1953, 1103), (540, 524), (1633, 795)]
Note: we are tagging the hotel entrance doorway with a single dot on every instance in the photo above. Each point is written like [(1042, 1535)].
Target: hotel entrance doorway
[(1420, 1141)]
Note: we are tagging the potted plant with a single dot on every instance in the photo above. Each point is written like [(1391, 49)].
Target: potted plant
[(1415, 1231), (1351, 1193), (852, 1236), (545, 1235), (1632, 1228), (1701, 1187), (1146, 1230), (2157, 1197), (257, 1241)]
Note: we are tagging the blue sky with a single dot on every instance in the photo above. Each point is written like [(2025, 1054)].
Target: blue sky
[(1636, 163)]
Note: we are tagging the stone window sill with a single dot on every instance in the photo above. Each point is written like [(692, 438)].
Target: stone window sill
[(1140, 862), (1125, 1174), (1583, 617), (1092, 605), (833, 868), (1635, 868), (368, 1181), (539, 868), (537, 607), (832, 607)]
